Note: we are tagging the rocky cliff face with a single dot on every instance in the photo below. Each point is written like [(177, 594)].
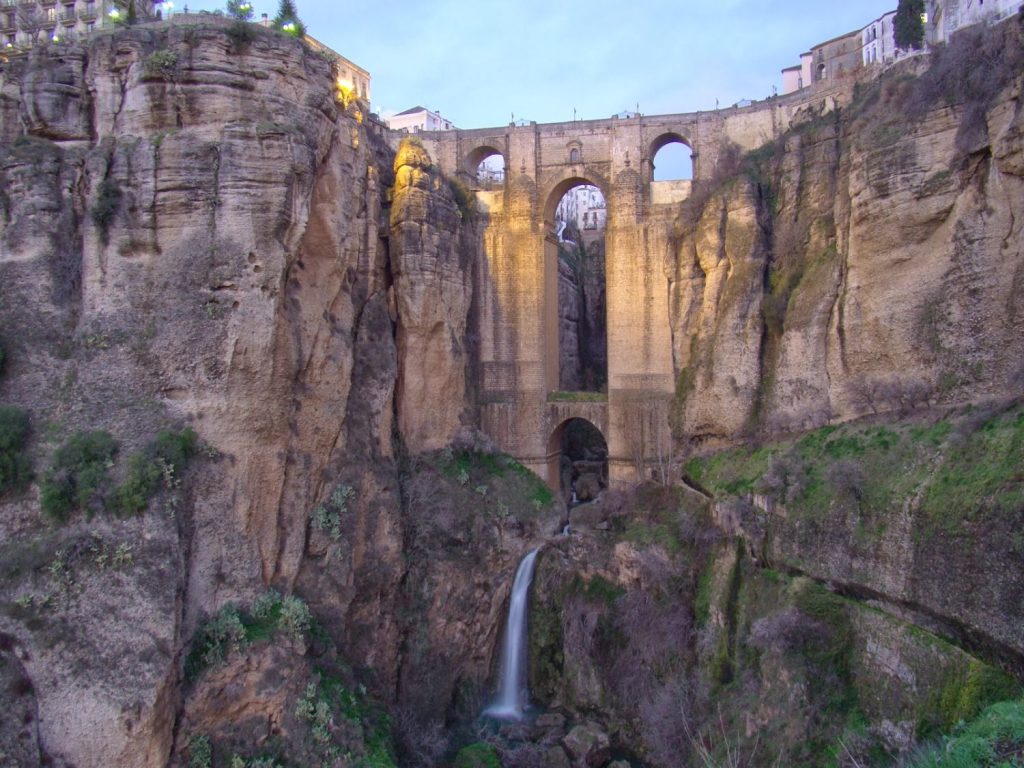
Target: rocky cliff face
[(868, 261), (198, 229), (195, 230)]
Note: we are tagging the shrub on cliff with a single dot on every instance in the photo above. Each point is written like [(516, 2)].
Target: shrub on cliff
[(15, 468), (232, 629), (158, 463), (105, 207), (78, 475)]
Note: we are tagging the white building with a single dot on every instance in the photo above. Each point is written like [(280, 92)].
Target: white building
[(419, 119), (585, 207), (878, 40), (944, 17)]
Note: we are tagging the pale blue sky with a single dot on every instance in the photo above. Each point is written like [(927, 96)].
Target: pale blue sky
[(478, 63)]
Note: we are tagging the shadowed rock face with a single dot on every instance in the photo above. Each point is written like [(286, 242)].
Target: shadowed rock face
[(197, 231)]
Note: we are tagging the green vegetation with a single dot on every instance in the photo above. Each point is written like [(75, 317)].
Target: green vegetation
[(106, 206), (993, 740), (200, 753), (159, 463), (327, 517), (465, 199), (472, 469), (78, 476), (969, 688), (327, 706), (478, 755), (958, 468), (287, 20), (161, 65), (232, 630), (981, 471), (598, 589), (15, 465), (909, 24), (817, 602), (241, 10)]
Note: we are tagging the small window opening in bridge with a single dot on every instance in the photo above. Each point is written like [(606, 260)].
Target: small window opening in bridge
[(580, 220), (581, 464), (490, 173), (673, 162), (574, 155)]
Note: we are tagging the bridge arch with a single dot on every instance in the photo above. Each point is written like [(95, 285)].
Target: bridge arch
[(674, 152), (575, 325), (558, 187), (577, 452), (473, 160)]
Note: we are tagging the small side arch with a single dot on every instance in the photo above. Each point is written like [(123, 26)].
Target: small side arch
[(486, 164), (577, 460), (671, 157)]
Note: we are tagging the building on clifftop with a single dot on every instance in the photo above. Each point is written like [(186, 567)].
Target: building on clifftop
[(419, 119), (24, 23)]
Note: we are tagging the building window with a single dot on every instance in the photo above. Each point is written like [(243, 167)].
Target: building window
[(574, 155)]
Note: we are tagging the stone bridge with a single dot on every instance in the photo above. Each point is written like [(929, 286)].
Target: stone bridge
[(518, 316)]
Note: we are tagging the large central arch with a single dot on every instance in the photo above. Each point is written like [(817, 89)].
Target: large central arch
[(552, 344)]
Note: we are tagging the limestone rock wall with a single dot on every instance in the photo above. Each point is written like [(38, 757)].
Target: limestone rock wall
[(193, 229), (869, 261)]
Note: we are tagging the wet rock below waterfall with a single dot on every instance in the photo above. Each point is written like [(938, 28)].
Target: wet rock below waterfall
[(588, 746)]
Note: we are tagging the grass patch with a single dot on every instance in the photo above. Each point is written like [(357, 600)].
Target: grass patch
[(474, 469), (993, 740), (478, 755), (959, 468), (984, 471)]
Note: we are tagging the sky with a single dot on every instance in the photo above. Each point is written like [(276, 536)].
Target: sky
[(482, 63)]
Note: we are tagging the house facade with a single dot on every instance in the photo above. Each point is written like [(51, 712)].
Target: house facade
[(944, 17), (24, 23), (419, 119), (878, 41)]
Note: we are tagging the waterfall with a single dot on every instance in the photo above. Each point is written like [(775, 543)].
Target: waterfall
[(512, 687)]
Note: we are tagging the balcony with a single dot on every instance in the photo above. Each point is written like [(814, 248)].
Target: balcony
[(67, 16), (47, 3), (7, 22), (88, 13)]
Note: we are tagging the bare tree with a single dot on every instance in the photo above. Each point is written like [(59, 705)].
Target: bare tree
[(30, 20)]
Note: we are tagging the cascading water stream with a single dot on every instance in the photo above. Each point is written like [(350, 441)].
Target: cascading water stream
[(513, 693)]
